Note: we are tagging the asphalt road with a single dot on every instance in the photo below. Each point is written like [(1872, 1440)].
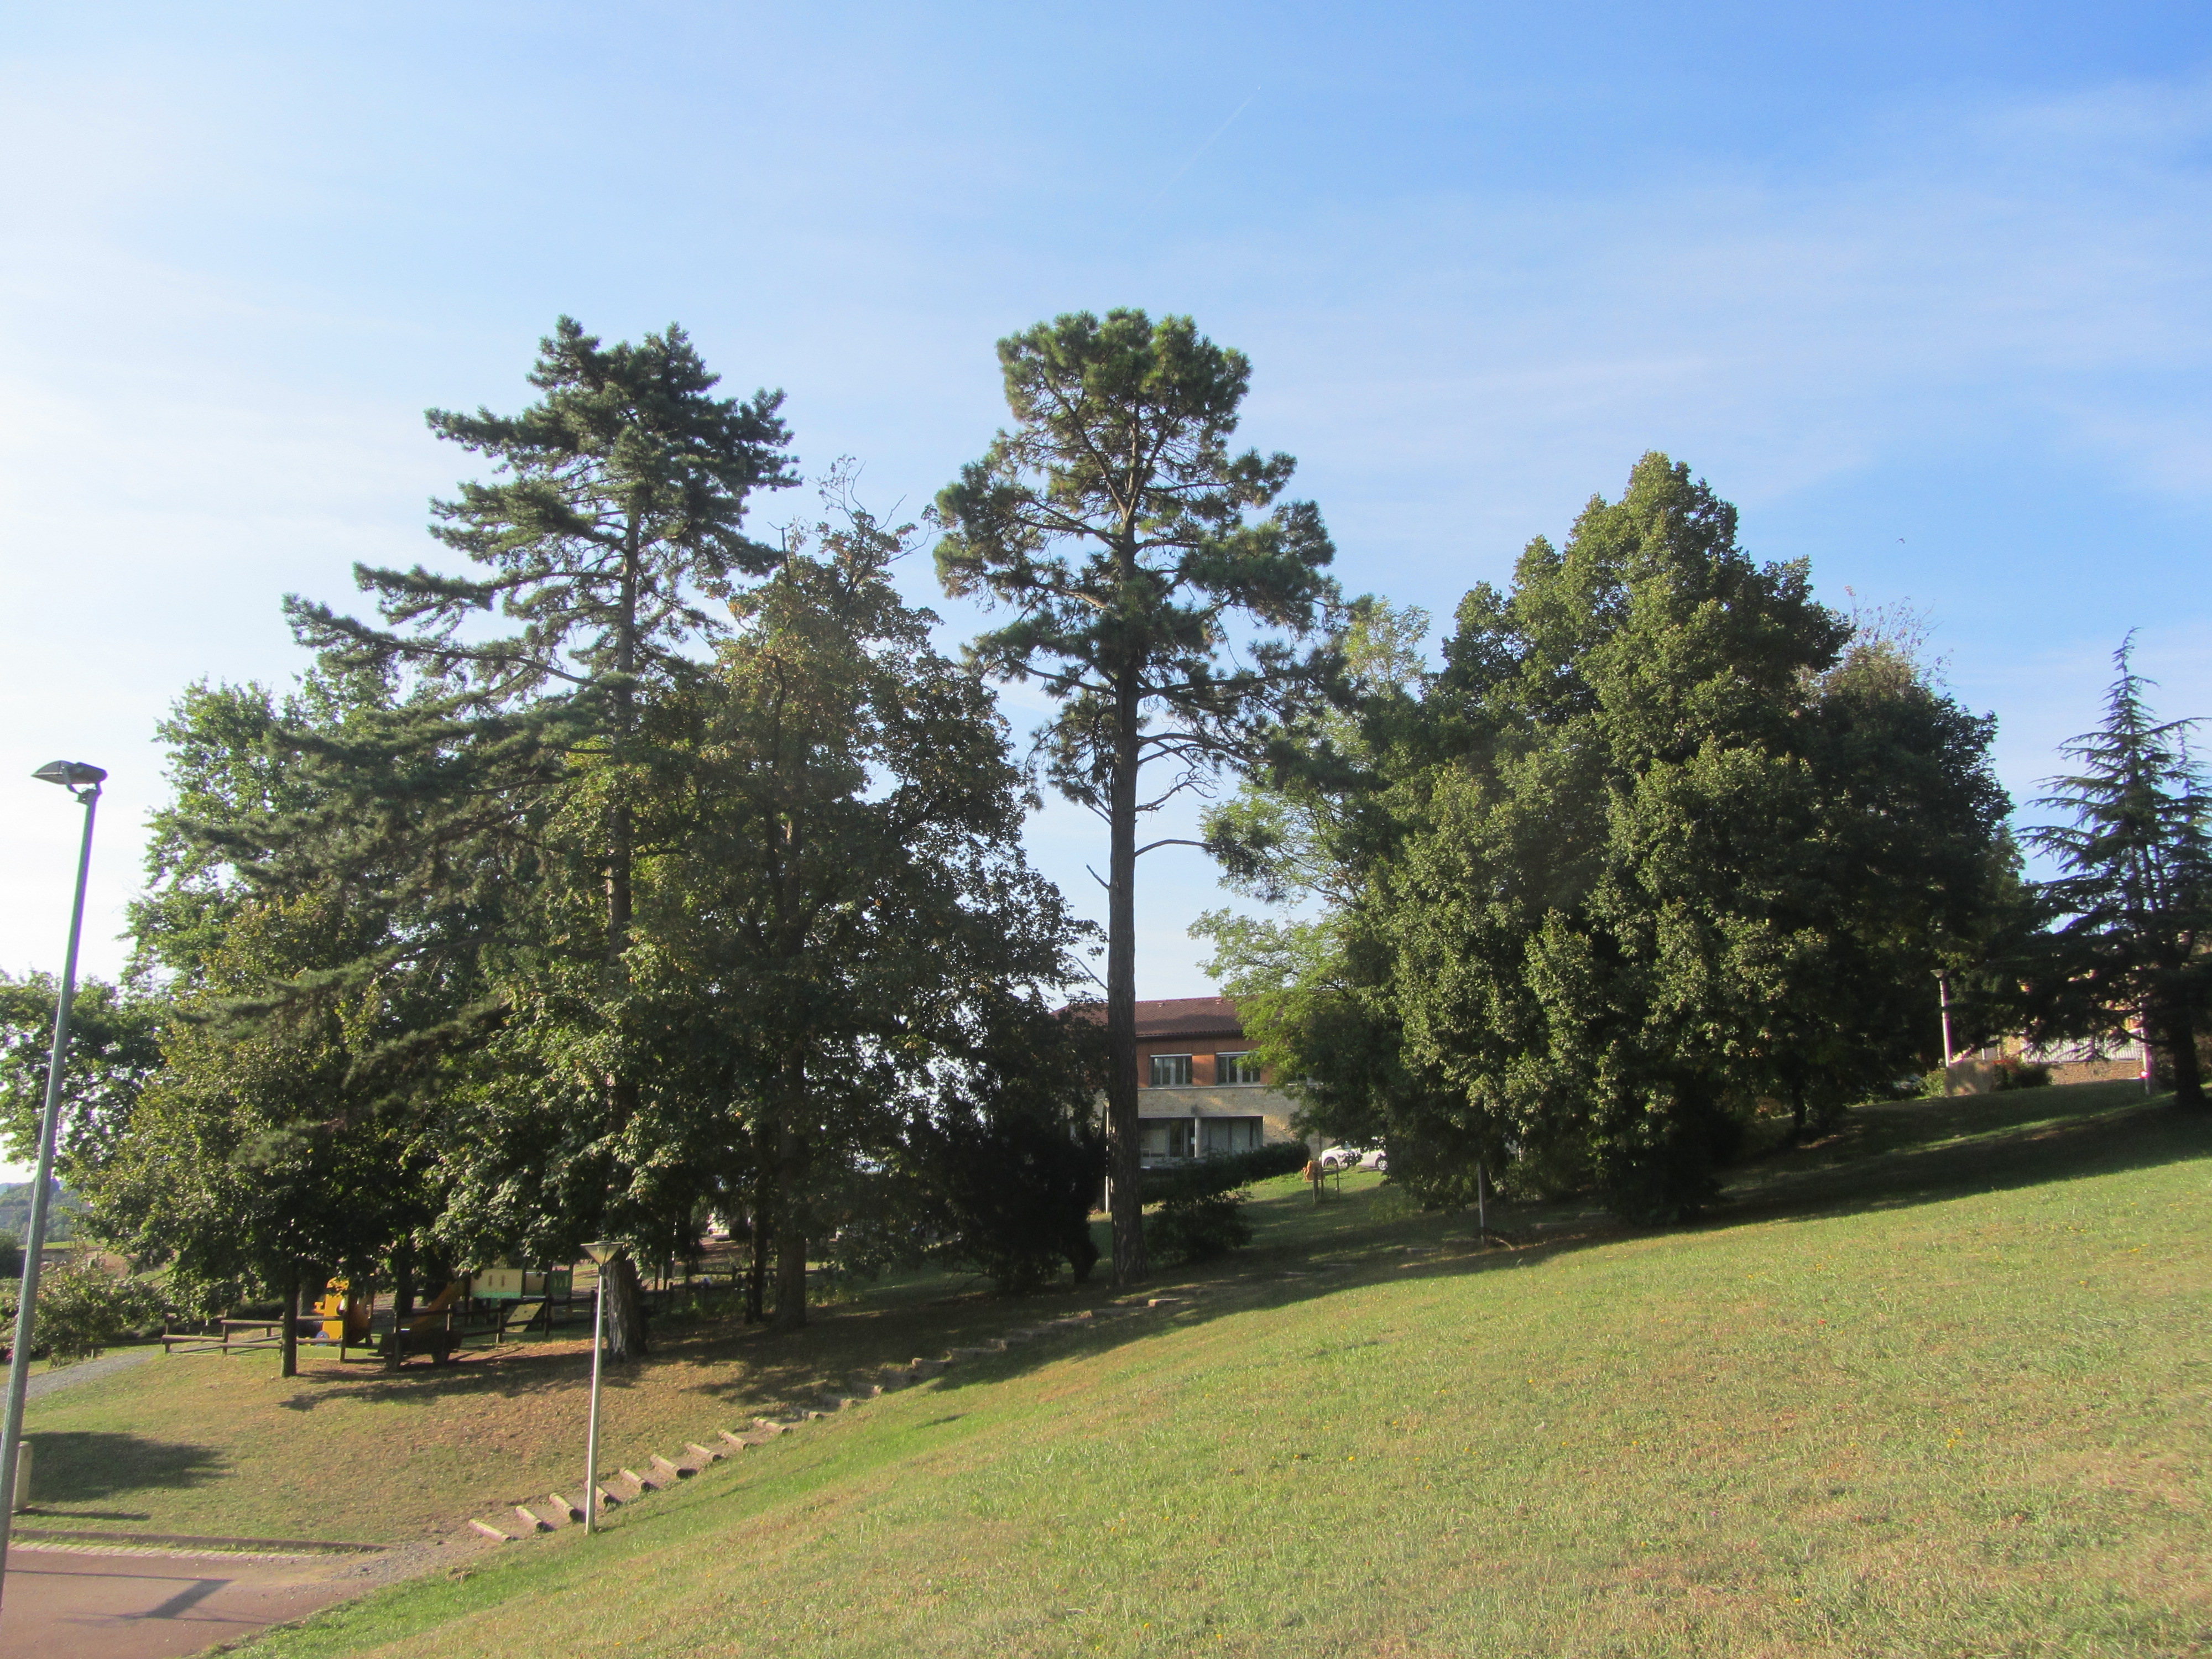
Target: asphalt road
[(107, 1602)]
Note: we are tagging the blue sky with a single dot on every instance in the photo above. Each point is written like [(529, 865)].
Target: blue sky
[(1926, 289)]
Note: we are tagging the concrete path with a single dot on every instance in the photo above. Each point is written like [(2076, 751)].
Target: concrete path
[(45, 1381), (107, 1602)]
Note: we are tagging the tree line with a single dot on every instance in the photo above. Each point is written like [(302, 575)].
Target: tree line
[(632, 868)]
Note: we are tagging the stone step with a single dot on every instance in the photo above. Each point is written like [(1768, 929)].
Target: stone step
[(490, 1531), (771, 1427), (738, 1441), (611, 1500), (674, 1471), (563, 1506), (640, 1482), (705, 1454), (531, 1522)]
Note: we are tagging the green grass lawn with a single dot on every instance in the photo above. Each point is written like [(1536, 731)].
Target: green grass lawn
[(1936, 1386)]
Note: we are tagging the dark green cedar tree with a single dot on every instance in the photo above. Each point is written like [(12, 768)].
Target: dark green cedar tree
[(2132, 904), (611, 530)]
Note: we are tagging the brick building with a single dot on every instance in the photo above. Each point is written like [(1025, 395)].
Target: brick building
[(1199, 1090)]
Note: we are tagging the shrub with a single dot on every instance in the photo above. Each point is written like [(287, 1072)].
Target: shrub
[(11, 1256), (82, 1311), (1012, 1195), (2020, 1074), (1224, 1173), (1197, 1227)]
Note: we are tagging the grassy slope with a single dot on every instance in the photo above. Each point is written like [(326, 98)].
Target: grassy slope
[(222, 1446), (1911, 1398)]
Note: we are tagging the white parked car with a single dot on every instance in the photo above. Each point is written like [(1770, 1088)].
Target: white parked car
[(1342, 1157), (1377, 1160)]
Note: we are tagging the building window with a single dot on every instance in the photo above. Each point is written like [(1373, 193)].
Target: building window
[(1171, 1071), (1161, 1139), (1218, 1136), (1237, 1068)]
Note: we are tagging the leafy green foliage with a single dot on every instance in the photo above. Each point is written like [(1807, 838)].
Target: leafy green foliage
[(115, 1048), (1664, 837)]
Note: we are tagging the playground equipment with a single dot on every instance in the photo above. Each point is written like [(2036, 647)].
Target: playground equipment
[(344, 1314)]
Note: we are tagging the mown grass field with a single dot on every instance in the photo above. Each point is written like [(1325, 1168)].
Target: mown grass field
[(208, 1445), (1938, 1387)]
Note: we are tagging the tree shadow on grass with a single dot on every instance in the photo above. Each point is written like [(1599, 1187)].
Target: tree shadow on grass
[(85, 1465), (511, 1375), (1945, 1155)]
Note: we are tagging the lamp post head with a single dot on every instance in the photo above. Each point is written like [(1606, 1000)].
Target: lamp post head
[(72, 775), (600, 1248)]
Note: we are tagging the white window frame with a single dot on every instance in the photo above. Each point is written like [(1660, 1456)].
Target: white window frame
[(1252, 1055)]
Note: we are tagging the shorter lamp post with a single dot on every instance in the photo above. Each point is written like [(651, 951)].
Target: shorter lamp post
[(83, 781), (599, 1250), (1943, 1005)]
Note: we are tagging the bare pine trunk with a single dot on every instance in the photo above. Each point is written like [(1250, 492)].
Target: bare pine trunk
[(1122, 1142)]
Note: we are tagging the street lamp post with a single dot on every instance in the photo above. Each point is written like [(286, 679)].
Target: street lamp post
[(83, 781), (599, 1251)]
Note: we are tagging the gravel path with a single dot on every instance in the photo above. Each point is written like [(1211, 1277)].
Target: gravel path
[(85, 1371)]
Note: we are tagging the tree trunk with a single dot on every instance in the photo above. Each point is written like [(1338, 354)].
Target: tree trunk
[(793, 1155), (290, 1367), (1797, 1111), (2188, 1070), (1127, 1193), (763, 1233), (403, 1302), (757, 1273), (626, 1339)]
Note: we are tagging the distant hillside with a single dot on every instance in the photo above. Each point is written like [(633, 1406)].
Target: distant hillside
[(61, 1214)]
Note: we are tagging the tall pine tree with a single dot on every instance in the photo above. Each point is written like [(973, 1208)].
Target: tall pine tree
[(1131, 545)]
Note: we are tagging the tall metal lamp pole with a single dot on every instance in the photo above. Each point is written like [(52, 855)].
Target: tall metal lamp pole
[(83, 781)]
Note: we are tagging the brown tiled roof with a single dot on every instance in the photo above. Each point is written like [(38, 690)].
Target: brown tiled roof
[(1175, 1016)]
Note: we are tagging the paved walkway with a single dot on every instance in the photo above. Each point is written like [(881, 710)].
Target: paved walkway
[(44, 1381), (110, 1603)]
